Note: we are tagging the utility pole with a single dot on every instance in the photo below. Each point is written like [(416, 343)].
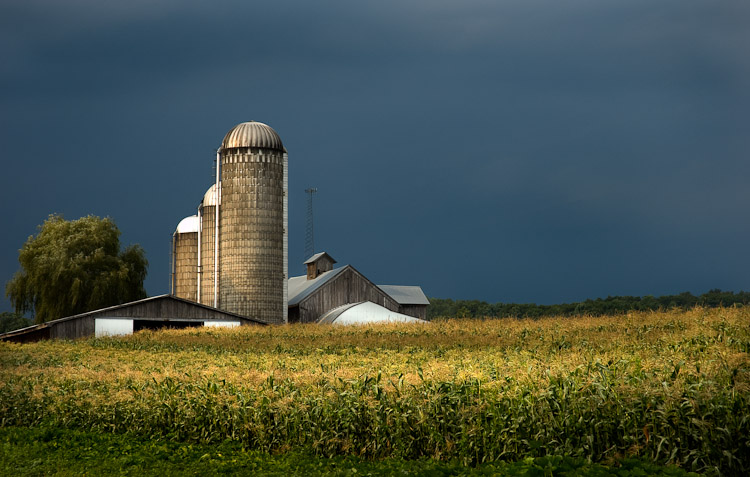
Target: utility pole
[(310, 229)]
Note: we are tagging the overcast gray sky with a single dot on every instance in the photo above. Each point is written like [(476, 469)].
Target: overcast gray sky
[(516, 151)]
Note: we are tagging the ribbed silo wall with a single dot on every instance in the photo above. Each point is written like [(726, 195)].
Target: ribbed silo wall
[(251, 246), (186, 265), (208, 230)]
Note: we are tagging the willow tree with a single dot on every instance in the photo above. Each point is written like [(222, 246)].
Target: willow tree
[(71, 267)]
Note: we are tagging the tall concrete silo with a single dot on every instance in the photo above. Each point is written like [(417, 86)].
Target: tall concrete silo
[(207, 215), (185, 259), (253, 223)]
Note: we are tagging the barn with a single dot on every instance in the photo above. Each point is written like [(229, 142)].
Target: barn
[(324, 288), (164, 311)]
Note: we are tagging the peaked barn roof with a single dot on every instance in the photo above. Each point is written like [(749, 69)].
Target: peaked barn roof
[(300, 287)]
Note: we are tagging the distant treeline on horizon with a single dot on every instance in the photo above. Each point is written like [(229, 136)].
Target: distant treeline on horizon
[(612, 305)]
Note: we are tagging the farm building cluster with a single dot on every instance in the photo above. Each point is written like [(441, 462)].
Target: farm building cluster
[(229, 263)]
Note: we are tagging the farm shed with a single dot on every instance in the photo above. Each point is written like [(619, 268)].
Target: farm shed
[(149, 313), (411, 299), (324, 288)]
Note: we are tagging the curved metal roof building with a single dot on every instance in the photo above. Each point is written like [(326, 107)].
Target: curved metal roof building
[(365, 313)]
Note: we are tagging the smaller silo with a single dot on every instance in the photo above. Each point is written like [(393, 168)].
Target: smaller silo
[(207, 214), (185, 259)]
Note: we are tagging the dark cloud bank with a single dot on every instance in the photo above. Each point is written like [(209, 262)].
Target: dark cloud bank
[(527, 151)]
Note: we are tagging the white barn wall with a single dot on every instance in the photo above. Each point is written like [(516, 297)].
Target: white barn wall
[(112, 327), (221, 324)]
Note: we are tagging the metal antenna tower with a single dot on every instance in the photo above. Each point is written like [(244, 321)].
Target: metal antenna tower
[(310, 229)]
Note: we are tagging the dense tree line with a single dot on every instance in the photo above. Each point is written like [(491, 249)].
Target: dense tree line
[(12, 321), (445, 307)]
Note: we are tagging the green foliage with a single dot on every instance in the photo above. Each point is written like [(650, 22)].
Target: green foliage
[(12, 321), (45, 451), (446, 307), (71, 267)]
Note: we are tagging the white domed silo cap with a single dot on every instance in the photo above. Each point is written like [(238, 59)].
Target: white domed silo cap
[(209, 199), (188, 225)]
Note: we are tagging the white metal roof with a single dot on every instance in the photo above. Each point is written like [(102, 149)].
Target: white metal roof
[(406, 295), (209, 198), (300, 287), (364, 313), (188, 225)]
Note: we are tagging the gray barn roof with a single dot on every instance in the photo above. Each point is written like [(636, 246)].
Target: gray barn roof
[(300, 287), (406, 295)]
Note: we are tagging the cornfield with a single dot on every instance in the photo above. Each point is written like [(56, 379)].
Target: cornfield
[(672, 387)]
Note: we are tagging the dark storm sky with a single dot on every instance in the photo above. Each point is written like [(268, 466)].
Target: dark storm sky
[(525, 151)]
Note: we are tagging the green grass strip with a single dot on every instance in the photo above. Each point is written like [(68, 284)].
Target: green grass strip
[(62, 452)]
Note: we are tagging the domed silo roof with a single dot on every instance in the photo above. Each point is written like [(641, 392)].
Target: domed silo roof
[(252, 134), (188, 225), (209, 199)]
